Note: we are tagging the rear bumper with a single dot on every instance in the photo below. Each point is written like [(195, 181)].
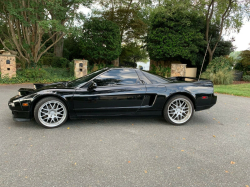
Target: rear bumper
[(212, 103)]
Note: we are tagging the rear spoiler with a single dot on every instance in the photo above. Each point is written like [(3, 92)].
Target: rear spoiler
[(184, 78), (192, 79)]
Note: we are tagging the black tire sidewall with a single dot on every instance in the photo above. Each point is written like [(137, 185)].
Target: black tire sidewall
[(165, 111), (40, 103)]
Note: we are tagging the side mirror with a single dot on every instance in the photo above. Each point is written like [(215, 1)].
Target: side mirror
[(92, 85)]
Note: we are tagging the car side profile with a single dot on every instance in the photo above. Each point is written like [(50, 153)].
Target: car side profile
[(114, 92)]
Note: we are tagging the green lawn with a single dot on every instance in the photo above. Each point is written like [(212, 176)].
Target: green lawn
[(234, 89)]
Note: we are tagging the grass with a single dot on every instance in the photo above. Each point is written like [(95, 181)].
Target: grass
[(39, 75), (234, 89)]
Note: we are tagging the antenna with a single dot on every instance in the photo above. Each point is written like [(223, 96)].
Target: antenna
[(204, 58)]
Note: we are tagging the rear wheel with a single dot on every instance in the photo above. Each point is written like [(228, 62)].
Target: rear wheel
[(50, 112), (178, 110)]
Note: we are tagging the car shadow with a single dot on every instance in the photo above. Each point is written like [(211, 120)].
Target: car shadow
[(115, 121)]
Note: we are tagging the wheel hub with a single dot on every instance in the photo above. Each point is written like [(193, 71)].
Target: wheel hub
[(52, 113), (179, 110)]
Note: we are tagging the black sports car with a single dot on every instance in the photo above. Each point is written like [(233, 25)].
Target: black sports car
[(113, 92)]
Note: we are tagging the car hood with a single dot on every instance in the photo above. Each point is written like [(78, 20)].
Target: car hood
[(39, 87)]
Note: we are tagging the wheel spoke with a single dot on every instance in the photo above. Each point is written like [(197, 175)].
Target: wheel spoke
[(179, 110)]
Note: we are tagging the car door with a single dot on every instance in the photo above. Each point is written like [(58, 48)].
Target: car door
[(118, 92)]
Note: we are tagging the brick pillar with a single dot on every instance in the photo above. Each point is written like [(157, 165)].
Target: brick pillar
[(7, 65), (178, 70), (115, 62), (80, 68)]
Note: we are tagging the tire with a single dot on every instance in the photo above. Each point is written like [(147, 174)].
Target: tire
[(178, 110), (50, 112)]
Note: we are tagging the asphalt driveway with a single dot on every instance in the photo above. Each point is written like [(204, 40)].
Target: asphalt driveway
[(213, 149)]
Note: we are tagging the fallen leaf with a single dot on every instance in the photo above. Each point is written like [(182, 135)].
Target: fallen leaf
[(75, 163), (214, 136), (232, 162), (184, 138), (247, 186), (226, 171), (182, 150), (247, 124), (129, 161), (31, 145), (218, 122), (178, 167), (156, 156), (145, 171), (26, 177), (100, 140), (132, 124), (213, 118), (68, 128)]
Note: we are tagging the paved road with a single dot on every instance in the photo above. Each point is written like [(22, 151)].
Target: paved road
[(213, 149)]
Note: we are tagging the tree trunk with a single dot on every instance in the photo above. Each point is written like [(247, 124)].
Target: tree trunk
[(58, 48), (210, 57)]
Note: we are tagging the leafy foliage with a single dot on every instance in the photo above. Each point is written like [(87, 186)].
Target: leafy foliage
[(132, 53), (54, 61), (39, 75), (101, 40), (161, 70), (219, 71), (246, 78), (175, 34), (245, 60)]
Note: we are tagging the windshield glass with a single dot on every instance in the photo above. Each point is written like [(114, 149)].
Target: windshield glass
[(85, 78)]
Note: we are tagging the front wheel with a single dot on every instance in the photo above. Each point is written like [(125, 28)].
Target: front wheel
[(50, 112), (178, 110)]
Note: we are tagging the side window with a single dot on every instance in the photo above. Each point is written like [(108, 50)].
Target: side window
[(117, 77), (154, 78)]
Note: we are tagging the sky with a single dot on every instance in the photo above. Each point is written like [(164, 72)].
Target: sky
[(242, 39)]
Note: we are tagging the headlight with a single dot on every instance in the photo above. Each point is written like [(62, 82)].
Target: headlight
[(19, 93), (12, 104)]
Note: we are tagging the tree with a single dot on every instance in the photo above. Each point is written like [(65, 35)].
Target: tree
[(100, 40), (132, 53), (174, 34), (245, 60), (228, 14), (127, 14), (27, 22), (66, 16)]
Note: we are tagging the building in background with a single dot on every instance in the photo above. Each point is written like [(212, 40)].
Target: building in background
[(145, 65)]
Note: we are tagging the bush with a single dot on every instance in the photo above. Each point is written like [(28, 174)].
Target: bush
[(39, 75), (54, 61), (219, 71), (161, 70), (246, 78)]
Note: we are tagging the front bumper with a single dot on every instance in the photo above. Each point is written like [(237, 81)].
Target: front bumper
[(19, 113)]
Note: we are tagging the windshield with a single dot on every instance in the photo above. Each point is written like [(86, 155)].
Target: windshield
[(85, 78)]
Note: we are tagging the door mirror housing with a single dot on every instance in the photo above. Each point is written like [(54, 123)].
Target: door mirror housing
[(92, 85)]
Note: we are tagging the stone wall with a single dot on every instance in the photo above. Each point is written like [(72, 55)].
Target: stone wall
[(115, 62), (178, 70), (7, 65), (80, 68), (162, 63)]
